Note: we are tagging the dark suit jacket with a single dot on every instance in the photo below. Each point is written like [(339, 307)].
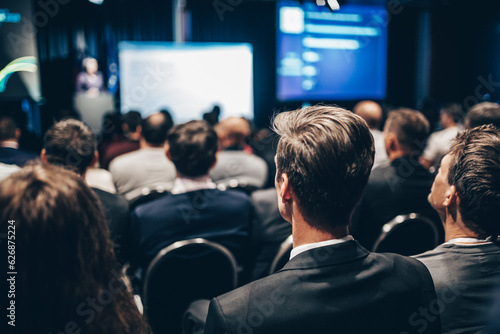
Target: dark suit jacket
[(341, 288), (12, 156), (220, 216), (269, 230), (400, 187), (117, 214)]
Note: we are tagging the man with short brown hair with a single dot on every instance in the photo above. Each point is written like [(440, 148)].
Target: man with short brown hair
[(195, 208), (331, 284), (466, 195)]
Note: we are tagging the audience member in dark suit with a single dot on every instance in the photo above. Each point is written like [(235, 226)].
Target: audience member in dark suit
[(494, 315), (466, 194), (10, 153), (196, 208), (234, 161), (269, 230), (71, 144), (331, 283), (398, 187), (481, 114)]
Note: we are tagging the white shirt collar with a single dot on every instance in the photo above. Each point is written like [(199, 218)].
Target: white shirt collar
[(185, 184), (469, 241), (10, 144), (302, 248)]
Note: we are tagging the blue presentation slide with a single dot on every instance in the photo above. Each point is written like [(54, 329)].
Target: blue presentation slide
[(323, 55)]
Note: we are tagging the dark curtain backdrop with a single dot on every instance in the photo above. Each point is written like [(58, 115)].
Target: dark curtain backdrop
[(251, 22), (466, 46)]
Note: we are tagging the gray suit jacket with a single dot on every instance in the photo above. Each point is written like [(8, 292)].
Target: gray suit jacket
[(341, 288)]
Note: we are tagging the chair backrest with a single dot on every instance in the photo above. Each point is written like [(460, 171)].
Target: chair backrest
[(240, 185), (282, 256), (409, 234), (182, 273), (148, 194)]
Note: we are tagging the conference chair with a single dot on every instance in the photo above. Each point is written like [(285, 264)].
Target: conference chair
[(181, 273), (147, 194), (282, 256), (235, 184), (409, 234)]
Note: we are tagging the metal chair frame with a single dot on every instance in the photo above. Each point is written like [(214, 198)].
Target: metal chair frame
[(393, 224), (188, 243)]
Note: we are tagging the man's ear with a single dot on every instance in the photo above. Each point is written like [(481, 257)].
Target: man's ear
[(43, 155), (285, 189), (451, 197), (18, 133), (391, 142)]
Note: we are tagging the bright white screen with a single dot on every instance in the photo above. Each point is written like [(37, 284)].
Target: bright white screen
[(187, 79)]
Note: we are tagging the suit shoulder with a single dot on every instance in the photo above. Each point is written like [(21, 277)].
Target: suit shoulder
[(235, 196), (403, 265), (152, 206), (236, 299)]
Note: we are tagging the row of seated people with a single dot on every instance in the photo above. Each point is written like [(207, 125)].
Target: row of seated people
[(331, 281), (137, 160), (139, 241), (194, 206), (398, 186)]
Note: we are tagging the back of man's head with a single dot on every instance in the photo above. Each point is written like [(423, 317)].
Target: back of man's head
[(192, 148), (155, 129), (71, 144), (483, 113), (8, 128), (410, 128), (132, 119), (475, 172), (454, 111), (327, 154), (371, 112), (233, 131)]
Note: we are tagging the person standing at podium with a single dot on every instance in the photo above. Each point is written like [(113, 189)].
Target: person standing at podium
[(90, 81)]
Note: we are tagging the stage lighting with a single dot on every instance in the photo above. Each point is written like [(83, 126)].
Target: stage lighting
[(97, 2), (332, 4)]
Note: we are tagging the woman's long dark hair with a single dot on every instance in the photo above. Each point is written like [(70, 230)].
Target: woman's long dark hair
[(67, 275)]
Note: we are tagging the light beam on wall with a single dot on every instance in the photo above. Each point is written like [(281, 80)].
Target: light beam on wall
[(27, 64)]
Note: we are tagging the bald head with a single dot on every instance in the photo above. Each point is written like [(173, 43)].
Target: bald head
[(370, 111), (155, 128), (233, 131)]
